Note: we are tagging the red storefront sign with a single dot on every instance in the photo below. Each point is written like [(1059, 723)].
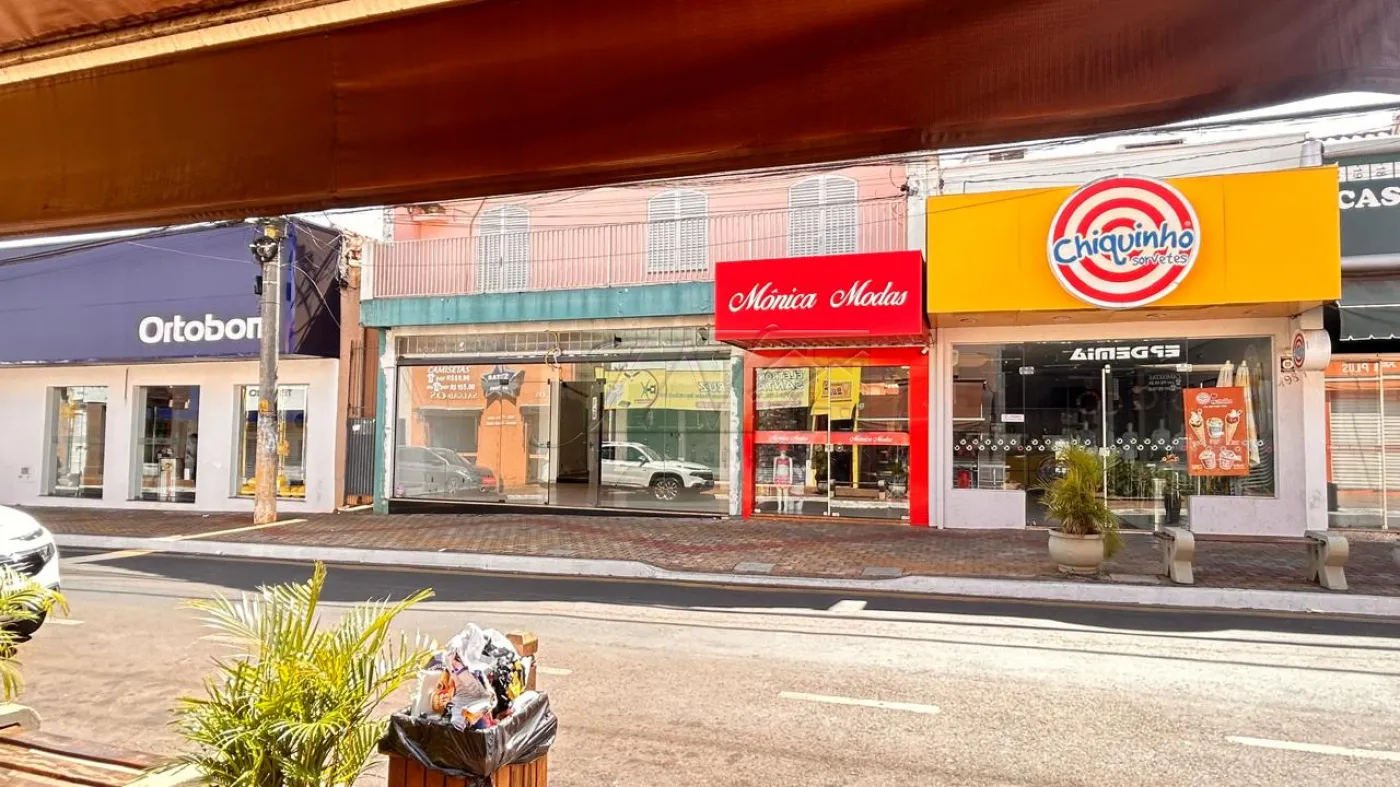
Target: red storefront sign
[(842, 298)]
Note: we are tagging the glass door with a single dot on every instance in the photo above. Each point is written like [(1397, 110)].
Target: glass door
[(832, 441)]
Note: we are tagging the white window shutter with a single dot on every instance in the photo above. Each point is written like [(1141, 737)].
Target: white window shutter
[(822, 216), (503, 250), (839, 230), (678, 231), (804, 218)]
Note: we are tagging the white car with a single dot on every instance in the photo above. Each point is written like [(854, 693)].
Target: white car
[(28, 548), (638, 466)]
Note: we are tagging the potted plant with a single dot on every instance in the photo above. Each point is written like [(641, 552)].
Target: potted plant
[(23, 605), (297, 706), (1088, 532)]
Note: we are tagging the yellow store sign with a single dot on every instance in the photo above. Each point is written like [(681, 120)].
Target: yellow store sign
[(665, 390), (1131, 243)]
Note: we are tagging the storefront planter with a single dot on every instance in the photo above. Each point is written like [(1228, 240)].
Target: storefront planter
[(1080, 555)]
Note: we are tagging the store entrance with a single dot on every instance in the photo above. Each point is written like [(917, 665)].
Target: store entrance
[(832, 441), (576, 479)]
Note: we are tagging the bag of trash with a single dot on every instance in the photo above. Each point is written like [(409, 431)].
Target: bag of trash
[(474, 755)]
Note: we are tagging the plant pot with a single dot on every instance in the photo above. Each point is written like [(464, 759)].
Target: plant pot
[(1081, 555)]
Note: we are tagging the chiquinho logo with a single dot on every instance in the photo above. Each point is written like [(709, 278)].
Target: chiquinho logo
[(1123, 242)]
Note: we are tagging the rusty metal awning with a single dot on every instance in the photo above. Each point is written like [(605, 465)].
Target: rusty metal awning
[(467, 99)]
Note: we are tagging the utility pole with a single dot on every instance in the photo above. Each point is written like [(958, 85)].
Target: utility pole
[(267, 250)]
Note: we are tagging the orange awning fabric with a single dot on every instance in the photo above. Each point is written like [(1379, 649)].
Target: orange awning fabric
[(27, 23), (504, 96)]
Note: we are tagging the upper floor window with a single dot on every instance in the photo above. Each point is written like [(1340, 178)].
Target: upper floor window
[(503, 249), (678, 231), (822, 216)]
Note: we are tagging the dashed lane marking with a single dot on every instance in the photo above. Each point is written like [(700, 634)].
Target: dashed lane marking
[(907, 707), (555, 671), (1317, 748)]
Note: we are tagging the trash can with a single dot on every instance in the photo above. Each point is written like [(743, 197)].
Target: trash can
[(514, 753)]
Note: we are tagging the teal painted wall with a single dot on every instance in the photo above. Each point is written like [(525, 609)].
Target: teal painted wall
[(381, 415), (652, 300)]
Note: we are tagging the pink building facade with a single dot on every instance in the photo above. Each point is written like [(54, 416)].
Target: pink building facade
[(638, 235)]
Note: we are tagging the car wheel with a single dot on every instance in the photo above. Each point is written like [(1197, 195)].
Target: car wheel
[(666, 488)]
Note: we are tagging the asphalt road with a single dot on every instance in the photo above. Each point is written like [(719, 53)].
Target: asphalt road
[(664, 684)]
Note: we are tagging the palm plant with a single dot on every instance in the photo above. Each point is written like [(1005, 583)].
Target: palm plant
[(1075, 499), (23, 603), (297, 707)]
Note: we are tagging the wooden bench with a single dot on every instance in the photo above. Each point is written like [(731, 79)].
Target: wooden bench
[(1327, 554), (31, 758)]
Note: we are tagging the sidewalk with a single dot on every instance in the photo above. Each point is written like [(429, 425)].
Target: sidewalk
[(776, 548)]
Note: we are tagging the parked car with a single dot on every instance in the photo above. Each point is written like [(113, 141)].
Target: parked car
[(421, 471), (639, 466), (28, 548), (485, 477)]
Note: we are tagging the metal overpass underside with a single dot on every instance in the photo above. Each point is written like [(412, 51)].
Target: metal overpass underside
[(150, 112)]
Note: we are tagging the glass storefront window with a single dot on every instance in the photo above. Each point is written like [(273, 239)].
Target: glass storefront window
[(167, 446), (1363, 442), (291, 441), (634, 434), (832, 441), (77, 441), (1013, 404)]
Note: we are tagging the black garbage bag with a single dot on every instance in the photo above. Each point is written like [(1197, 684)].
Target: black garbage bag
[(475, 754)]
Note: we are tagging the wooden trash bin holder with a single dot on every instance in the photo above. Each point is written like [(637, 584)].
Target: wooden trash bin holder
[(404, 772)]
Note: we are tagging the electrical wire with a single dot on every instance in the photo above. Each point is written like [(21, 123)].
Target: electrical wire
[(1009, 195)]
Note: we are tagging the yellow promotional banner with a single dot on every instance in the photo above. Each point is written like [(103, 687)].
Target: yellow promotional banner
[(661, 389), (1259, 238)]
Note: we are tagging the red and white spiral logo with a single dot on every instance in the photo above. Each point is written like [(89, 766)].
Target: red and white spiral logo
[(1123, 242)]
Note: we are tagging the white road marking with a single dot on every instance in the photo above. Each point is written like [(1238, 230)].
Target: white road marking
[(849, 605), (107, 556), (908, 707), (193, 536), (65, 622), (555, 671), (186, 537), (1317, 748)]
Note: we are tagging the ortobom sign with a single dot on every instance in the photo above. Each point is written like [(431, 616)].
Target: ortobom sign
[(1123, 242)]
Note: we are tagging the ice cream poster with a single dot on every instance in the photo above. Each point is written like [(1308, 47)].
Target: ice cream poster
[(1216, 435)]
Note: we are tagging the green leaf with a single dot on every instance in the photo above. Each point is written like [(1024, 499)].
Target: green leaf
[(294, 707)]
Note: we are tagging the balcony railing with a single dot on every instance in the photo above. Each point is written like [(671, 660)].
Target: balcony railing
[(609, 255)]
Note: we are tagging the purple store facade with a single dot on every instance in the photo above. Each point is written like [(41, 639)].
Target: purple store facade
[(129, 371)]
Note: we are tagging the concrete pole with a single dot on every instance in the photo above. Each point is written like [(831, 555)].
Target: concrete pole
[(268, 251)]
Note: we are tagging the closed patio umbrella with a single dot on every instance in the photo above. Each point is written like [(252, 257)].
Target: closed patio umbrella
[(1251, 428)]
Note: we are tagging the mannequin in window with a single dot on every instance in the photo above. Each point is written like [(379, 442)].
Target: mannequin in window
[(782, 479)]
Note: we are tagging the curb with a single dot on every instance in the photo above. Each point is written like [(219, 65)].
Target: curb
[(1234, 599)]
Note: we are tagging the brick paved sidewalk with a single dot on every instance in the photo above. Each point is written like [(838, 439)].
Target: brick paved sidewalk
[(792, 548)]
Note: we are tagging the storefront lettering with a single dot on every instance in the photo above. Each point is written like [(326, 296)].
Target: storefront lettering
[(860, 295), (762, 298), (1140, 352), (1138, 246), (1362, 199), (765, 297), (155, 330)]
